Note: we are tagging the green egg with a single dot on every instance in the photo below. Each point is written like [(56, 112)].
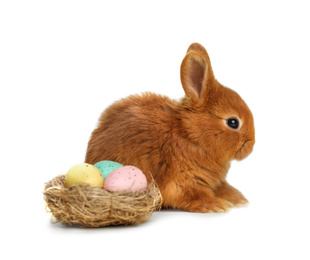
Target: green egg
[(106, 167)]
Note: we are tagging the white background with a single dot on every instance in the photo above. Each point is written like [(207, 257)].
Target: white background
[(63, 62)]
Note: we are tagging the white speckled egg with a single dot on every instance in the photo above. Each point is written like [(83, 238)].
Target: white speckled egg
[(126, 178)]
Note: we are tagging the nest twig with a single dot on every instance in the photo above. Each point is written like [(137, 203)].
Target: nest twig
[(87, 206)]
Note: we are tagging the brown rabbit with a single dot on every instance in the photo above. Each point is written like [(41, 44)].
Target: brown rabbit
[(185, 145)]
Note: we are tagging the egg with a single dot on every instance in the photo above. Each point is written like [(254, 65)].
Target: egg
[(106, 167), (84, 173), (126, 178)]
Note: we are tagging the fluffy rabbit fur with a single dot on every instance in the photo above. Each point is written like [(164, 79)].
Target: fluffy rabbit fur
[(185, 145)]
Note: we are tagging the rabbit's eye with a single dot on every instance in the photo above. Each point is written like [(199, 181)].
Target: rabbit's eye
[(233, 123)]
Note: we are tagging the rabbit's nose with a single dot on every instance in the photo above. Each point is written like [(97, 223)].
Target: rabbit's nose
[(245, 150)]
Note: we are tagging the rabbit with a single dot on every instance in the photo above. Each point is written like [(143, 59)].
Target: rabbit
[(186, 146)]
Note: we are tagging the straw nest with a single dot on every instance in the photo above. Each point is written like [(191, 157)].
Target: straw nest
[(87, 206)]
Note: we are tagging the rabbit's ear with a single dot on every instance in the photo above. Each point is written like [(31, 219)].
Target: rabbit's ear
[(198, 48), (196, 74)]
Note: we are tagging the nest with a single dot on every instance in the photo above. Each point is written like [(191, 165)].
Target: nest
[(87, 206)]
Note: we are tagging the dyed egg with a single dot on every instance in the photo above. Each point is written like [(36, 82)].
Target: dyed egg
[(106, 167), (126, 178), (84, 173)]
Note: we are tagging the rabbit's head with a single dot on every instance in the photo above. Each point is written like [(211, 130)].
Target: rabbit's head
[(214, 116)]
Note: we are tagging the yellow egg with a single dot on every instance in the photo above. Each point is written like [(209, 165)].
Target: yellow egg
[(84, 173)]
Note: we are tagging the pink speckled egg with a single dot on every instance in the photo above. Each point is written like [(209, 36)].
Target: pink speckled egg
[(125, 178)]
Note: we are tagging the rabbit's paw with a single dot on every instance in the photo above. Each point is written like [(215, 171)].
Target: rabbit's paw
[(217, 205), (239, 202), (231, 195), (209, 205)]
